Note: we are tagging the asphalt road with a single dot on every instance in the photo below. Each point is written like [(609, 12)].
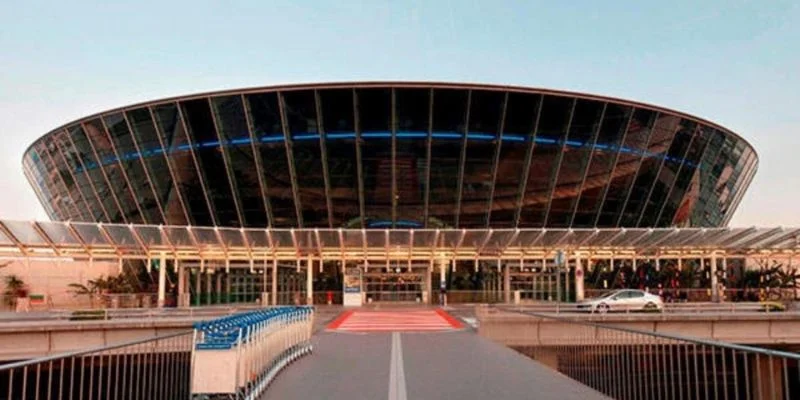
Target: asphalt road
[(399, 366)]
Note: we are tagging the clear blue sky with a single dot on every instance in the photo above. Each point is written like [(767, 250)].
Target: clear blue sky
[(733, 62)]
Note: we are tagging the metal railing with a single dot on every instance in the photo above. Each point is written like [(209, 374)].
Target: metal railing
[(632, 364), (153, 368), (667, 309)]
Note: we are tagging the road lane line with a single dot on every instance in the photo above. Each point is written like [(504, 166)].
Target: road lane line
[(397, 374)]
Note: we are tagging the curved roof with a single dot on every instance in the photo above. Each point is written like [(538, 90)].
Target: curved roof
[(404, 84)]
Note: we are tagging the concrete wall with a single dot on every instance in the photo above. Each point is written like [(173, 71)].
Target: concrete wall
[(52, 279)]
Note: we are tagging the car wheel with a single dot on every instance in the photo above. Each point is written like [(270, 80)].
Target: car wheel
[(650, 307), (602, 308)]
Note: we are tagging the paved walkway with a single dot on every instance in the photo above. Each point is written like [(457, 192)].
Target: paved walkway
[(419, 365)]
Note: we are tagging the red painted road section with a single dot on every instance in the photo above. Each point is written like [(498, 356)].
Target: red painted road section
[(395, 321)]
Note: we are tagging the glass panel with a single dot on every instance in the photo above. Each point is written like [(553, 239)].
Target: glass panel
[(374, 113), (41, 172), (486, 109), (474, 239), (69, 197), (687, 176), (353, 238), (627, 238), (399, 238), (423, 239), (265, 117), (282, 238), (376, 238), (180, 153), (301, 117), (200, 128), (598, 173), (450, 239), (75, 177), (90, 234), (236, 144), (549, 141), (58, 233), (574, 160), (178, 236), (154, 161), (130, 159), (306, 240), (121, 235), (340, 148), (205, 236), (629, 158), (256, 237), (329, 238), (115, 177), (670, 167), (660, 142), (231, 237), (4, 239), (702, 186), (411, 159), (24, 232), (579, 236), (525, 238), (89, 166), (449, 125), (517, 138), (150, 235)]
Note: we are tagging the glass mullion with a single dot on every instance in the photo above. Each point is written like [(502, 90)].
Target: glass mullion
[(157, 167), (374, 113), (703, 184), (237, 149), (66, 173), (338, 125), (449, 114), (178, 149)]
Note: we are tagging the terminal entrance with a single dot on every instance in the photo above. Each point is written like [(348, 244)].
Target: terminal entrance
[(402, 287)]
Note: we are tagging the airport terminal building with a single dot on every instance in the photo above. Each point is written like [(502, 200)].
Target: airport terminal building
[(391, 157)]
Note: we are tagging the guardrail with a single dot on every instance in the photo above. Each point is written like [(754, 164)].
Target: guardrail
[(154, 368), (668, 308), (238, 356), (631, 364)]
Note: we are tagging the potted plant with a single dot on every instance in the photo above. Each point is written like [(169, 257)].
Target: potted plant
[(15, 290)]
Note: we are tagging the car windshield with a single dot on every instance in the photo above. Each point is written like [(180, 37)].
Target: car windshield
[(609, 294)]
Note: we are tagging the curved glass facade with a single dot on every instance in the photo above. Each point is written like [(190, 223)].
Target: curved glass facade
[(392, 155)]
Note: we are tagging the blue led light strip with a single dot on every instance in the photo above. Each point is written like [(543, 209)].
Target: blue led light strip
[(400, 135)]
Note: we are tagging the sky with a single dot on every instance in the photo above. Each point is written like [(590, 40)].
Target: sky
[(733, 62)]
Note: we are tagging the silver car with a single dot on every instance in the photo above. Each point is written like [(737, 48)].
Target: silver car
[(623, 300)]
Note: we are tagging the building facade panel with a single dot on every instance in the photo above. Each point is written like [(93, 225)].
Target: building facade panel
[(393, 155)]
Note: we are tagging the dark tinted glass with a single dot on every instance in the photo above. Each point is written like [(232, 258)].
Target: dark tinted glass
[(301, 115), (605, 151), (94, 172), (687, 176), (130, 158), (267, 131), (374, 114), (700, 189), (180, 153), (37, 170), (660, 142), (155, 163), (72, 177), (575, 158), (485, 116), (449, 123), (549, 141), (628, 161), (411, 159), (213, 171), (340, 148), (238, 148), (670, 166), (518, 134)]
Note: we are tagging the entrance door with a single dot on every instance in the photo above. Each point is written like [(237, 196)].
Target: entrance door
[(394, 287)]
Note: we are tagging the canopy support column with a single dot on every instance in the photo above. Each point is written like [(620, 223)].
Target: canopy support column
[(714, 281), (162, 280), (310, 281), (506, 284), (579, 289), (274, 281)]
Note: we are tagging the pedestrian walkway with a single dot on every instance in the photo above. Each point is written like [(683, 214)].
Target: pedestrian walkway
[(420, 365), (425, 320)]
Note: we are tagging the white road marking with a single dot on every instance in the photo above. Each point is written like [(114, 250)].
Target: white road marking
[(397, 375)]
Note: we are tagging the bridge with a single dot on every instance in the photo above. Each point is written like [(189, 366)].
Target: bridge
[(412, 352)]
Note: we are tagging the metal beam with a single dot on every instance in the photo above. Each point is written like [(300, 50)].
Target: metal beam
[(462, 161), (202, 177), (287, 136), (526, 170), (324, 157), (555, 174), (588, 165), (359, 164), (226, 162), (652, 128), (426, 211), (496, 162), (262, 186), (136, 146), (610, 174)]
